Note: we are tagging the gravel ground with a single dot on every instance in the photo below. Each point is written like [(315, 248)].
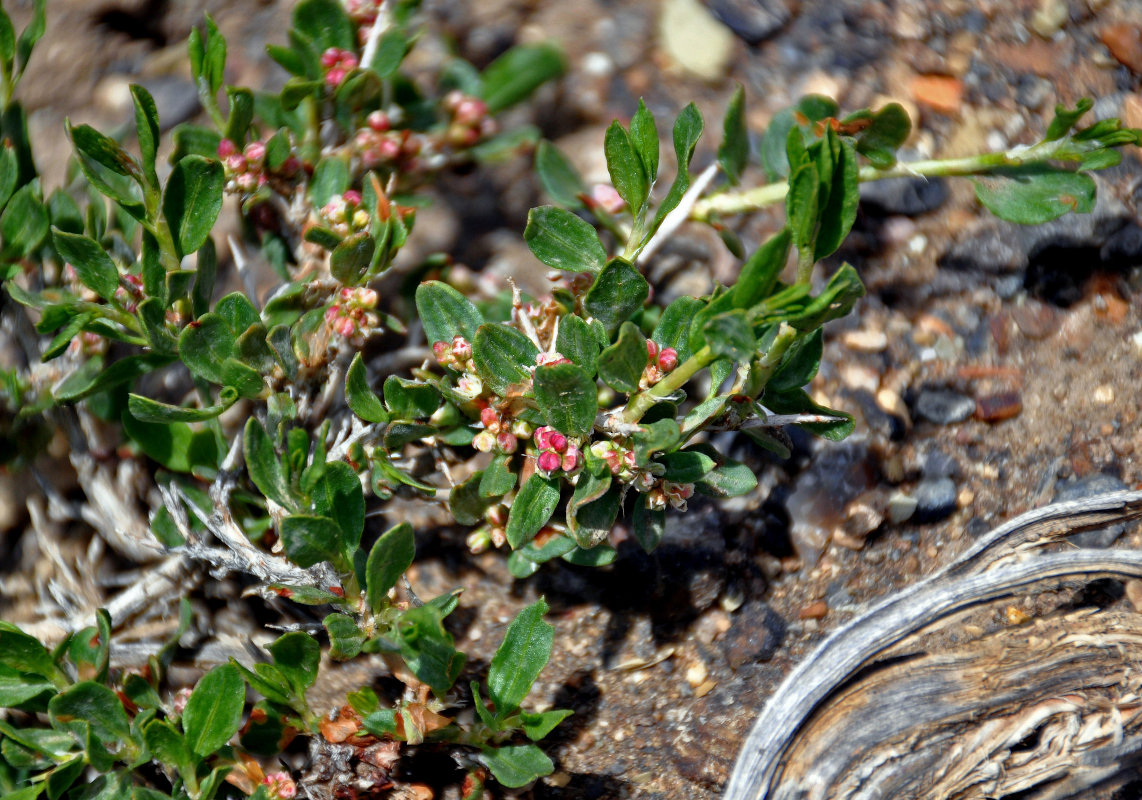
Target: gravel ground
[(991, 369)]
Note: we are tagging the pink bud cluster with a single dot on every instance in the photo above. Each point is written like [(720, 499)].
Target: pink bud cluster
[(661, 361), (620, 460), (364, 14), (556, 452), (470, 119), (89, 344), (500, 433), (280, 785), (456, 354), (345, 214), (493, 533), (180, 699), (353, 313), (377, 144), (246, 170), (673, 494), (550, 359), (337, 64)]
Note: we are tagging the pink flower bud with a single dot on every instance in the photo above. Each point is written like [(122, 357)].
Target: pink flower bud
[(346, 294), (548, 461), (453, 99), (236, 162), (388, 149), (345, 326), (571, 459), (441, 350), (367, 298), (651, 349), (543, 437), (226, 148), (499, 536), (558, 442), (461, 348), (489, 417), (668, 359), (280, 785), (255, 152), (378, 121), (352, 197), (484, 441), (478, 541), (470, 111), (604, 196), (506, 442), (332, 313), (334, 77), (290, 165), (496, 515), (180, 698), (247, 182), (331, 57)]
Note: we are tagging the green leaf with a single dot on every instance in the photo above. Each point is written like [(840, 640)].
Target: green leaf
[(103, 150), (516, 765), (759, 274), (24, 223), (576, 342), (654, 437), (729, 479), (410, 399), (562, 240), (390, 558), (345, 638), (498, 479), (520, 658), (9, 173), (533, 507), (802, 207), (503, 356), (214, 710), (390, 52), (686, 466), (350, 260), (173, 444), (621, 365), (466, 503), (398, 434), (538, 725), (205, 345), (517, 73), (382, 723), (267, 680), (17, 687), (338, 496), (838, 212), (555, 546), (330, 178), (599, 555), (205, 275), (618, 292), (1065, 119), (687, 130), (264, 466), (192, 200), (798, 401), (799, 364), (625, 167), (24, 653), (673, 328), (1035, 194), (90, 704), (296, 655), (809, 109), (558, 176), (309, 539), (733, 154), (884, 133), (840, 295), (148, 410), (729, 334), (445, 313), (241, 103), (147, 132), (592, 511), (427, 648), (644, 137), (567, 398), (648, 525), (361, 399), (326, 24), (91, 263), (168, 746)]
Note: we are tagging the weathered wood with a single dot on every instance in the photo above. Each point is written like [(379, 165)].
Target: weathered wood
[(882, 709)]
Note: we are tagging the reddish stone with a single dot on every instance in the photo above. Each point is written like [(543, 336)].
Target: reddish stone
[(998, 407), (1125, 44)]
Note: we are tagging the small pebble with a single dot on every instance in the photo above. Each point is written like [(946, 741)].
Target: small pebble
[(704, 689), (965, 497), (815, 610), (940, 92), (696, 674), (865, 341), (1103, 395), (935, 499), (943, 406), (1134, 593), (998, 407), (901, 507), (1125, 43)]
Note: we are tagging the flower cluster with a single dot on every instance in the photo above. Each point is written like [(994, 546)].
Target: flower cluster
[(337, 64), (456, 354), (661, 361), (354, 314), (470, 119), (345, 214), (363, 13), (500, 433), (280, 785), (246, 171), (666, 493), (556, 452)]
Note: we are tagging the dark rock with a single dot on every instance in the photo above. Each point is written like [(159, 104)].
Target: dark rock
[(943, 406), (876, 418), (1124, 247), (976, 527), (753, 21), (755, 635), (990, 247), (1033, 92), (1098, 483), (907, 196), (935, 499), (938, 464)]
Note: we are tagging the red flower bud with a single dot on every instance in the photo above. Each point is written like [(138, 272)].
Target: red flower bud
[(558, 442), (548, 461), (668, 359), (489, 417), (651, 349), (226, 148)]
